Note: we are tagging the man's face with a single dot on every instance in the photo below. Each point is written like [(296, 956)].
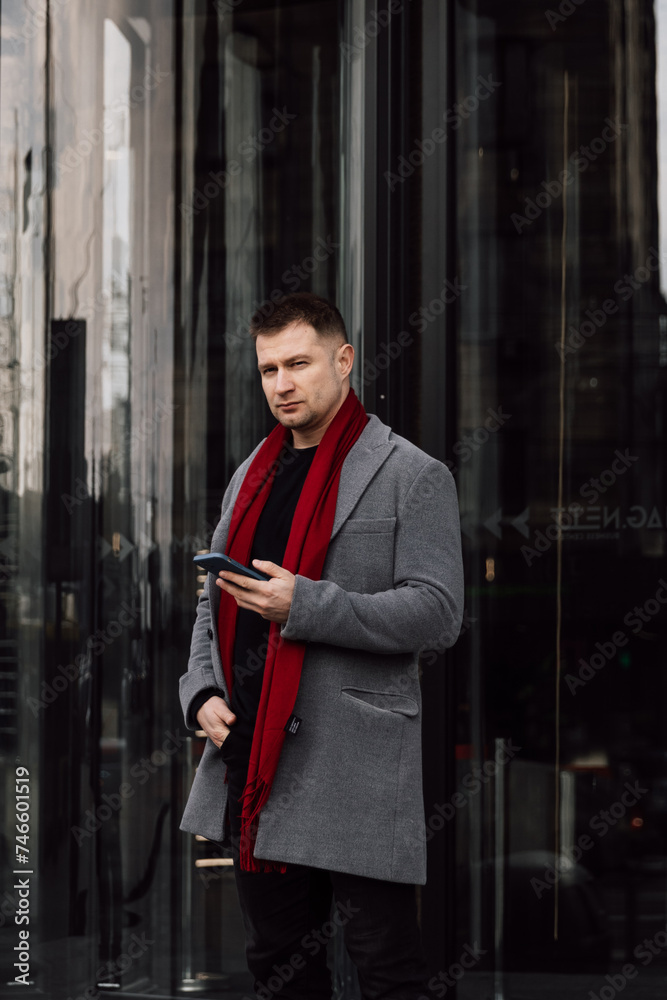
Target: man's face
[(304, 376)]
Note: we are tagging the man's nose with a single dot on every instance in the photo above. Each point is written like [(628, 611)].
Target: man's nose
[(283, 381)]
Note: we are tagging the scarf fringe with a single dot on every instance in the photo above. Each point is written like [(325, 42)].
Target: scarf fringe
[(254, 798)]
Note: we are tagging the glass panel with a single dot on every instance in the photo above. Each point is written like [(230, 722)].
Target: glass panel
[(560, 467), (22, 474)]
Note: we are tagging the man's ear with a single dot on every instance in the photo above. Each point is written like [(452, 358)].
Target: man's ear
[(346, 357)]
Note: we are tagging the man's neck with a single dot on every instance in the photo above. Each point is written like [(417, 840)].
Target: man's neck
[(300, 447)]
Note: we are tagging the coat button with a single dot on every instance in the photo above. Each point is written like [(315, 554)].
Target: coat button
[(210, 633)]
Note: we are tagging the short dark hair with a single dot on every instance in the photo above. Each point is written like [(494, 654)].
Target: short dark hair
[(277, 313)]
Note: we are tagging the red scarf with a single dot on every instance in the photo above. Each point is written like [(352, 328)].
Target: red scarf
[(305, 554)]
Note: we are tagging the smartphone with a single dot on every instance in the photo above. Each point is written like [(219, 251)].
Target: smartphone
[(215, 561)]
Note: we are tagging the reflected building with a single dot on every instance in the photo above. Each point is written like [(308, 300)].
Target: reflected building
[(481, 188)]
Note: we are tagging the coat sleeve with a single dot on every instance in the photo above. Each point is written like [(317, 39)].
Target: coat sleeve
[(200, 675), (424, 610)]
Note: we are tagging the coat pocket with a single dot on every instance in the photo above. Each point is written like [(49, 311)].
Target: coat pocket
[(361, 555), (368, 525), (383, 701)]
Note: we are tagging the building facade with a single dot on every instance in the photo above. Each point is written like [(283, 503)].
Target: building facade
[(482, 188)]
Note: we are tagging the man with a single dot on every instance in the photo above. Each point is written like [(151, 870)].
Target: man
[(307, 684)]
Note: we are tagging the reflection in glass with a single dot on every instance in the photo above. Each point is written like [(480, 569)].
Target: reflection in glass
[(558, 183)]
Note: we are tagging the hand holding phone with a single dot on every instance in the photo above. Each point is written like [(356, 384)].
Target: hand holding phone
[(272, 603)]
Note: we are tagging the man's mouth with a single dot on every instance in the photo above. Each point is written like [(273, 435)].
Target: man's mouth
[(287, 406)]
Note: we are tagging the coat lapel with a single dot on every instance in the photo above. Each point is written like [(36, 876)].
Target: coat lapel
[(362, 462)]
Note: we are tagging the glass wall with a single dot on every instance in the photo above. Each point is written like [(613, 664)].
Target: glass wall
[(559, 125)]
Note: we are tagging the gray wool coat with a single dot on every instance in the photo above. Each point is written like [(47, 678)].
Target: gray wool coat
[(347, 795)]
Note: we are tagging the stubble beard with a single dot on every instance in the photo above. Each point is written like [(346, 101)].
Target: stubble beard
[(294, 420)]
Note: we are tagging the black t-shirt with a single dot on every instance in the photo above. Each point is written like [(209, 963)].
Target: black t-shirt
[(252, 631)]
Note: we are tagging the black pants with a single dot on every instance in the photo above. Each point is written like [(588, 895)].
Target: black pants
[(288, 922)]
